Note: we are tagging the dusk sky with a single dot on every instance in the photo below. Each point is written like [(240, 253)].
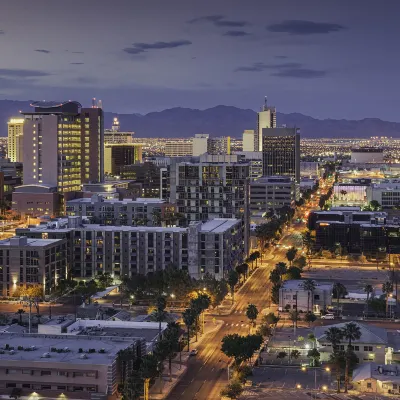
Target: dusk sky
[(331, 58)]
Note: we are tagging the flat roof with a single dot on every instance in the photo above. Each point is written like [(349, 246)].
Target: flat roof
[(43, 344), (141, 200), (298, 284), (219, 225), (30, 242)]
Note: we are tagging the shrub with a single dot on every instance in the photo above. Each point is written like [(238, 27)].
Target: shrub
[(80, 350)]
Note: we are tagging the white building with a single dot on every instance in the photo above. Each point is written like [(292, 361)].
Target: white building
[(15, 127), (266, 118), (178, 148), (200, 144), (248, 139), (367, 155), (386, 194), (255, 161)]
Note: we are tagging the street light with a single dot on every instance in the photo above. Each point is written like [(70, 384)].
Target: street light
[(325, 388), (172, 296), (298, 386), (327, 369), (303, 368)]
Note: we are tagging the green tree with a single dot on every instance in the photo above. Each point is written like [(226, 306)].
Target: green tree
[(233, 390), (334, 335), (189, 318), (351, 332), (264, 330), (105, 279), (310, 318), (291, 255), (339, 291), (281, 354), (233, 279), (281, 267), (274, 276), (19, 312), (314, 356), (309, 286), (309, 244), (270, 319), (300, 262), (293, 273), (232, 346), (294, 316), (241, 271), (295, 354), (252, 313), (275, 293), (171, 338), (256, 256), (368, 289), (149, 367), (387, 289), (161, 305)]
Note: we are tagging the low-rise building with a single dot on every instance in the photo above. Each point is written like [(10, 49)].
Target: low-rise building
[(372, 345), (377, 378), (27, 261), (272, 193), (294, 295)]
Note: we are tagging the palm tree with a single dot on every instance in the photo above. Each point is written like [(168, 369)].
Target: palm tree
[(256, 256), (240, 269), (340, 290), (189, 318), (252, 314), (161, 304), (291, 255), (233, 279), (309, 285), (368, 289), (281, 267), (387, 288), (20, 312), (351, 331), (335, 336), (308, 243)]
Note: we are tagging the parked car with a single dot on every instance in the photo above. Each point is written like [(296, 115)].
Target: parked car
[(328, 316), (193, 352)]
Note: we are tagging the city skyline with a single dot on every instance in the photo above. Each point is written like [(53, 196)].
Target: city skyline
[(323, 60)]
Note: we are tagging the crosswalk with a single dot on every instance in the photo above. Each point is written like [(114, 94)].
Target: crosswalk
[(228, 324)]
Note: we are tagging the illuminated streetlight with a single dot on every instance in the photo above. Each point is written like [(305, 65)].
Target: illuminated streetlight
[(325, 388), (303, 368), (132, 296), (327, 369), (298, 386), (307, 346), (172, 295)]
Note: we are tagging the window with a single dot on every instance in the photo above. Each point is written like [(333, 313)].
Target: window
[(78, 374), (394, 385), (91, 374), (27, 371), (11, 385), (316, 296), (61, 387), (369, 385), (356, 348), (367, 348), (26, 385), (91, 389), (11, 371), (44, 373), (62, 373), (77, 389), (46, 387)]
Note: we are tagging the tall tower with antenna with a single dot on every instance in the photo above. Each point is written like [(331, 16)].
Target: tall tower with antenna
[(266, 118)]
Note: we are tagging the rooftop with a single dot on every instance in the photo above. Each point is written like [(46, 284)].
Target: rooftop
[(40, 348), (219, 225), (15, 241), (369, 333), (298, 285), (376, 371), (142, 200)]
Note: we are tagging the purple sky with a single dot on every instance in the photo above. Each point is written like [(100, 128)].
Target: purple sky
[(331, 58)]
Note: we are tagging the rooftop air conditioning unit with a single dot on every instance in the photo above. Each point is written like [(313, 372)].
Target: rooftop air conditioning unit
[(83, 356), (45, 355)]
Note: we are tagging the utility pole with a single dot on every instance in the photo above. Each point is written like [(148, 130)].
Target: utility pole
[(146, 389)]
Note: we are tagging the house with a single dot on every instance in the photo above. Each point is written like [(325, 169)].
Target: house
[(377, 378), (372, 345), (293, 295)]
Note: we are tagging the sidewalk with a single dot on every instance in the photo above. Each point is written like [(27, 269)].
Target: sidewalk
[(178, 369)]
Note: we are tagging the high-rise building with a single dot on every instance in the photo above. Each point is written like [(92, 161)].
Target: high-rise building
[(266, 118), (178, 148), (249, 140), (211, 187), (219, 145), (63, 145), (200, 144), (281, 152), (116, 156), (115, 137), (15, 136)]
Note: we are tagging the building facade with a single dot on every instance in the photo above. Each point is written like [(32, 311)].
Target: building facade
[(249, 141), (266, 119), (15, 127), (178, 148), (272, 193), (281, 152), (56, 142), (117, 156), (200, 144), (31, 261), (219, 145)]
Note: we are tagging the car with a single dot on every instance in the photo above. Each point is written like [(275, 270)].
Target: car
[(328, 316), (193, 352)]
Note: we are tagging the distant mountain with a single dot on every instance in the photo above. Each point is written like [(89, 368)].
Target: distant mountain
[(223, 121)]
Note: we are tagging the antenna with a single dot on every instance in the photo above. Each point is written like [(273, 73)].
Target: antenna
[(94, 102)]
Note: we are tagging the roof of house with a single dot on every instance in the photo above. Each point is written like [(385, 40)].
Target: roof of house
[(297, 284), (369, 333), (376, 371)]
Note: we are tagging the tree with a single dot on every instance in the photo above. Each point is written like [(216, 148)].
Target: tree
[(19, 312), (368, 289), (351, 332), (281, 269), (293, 273), (271, 319), (233, 279), (105, 279), (274, 276), (149, 367), (256, 256), (241, 271), (233, 390), (334, 336), (232, 346), (281, 354), (275, 293), (189, 318), (339, 291), (310, 318), (264, 330), (314, 355), (161, 305), (375, 205), (387, 289), (291, 255), (309, 286), (294, 317), (252, 313), (295, 354), (171, 338), (308, 243), (300, 262)]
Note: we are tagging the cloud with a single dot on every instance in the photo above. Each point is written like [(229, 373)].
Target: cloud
[(300, 73), (281, 57), (143, 47), (218, 20), (77, 63), (236, 33), (259, 67), (43, 51), (301, 27), (21, 73)]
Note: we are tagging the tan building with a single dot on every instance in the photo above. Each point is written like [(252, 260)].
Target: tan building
[(31, 261), (178, 148), (117, 156), (15, 127)]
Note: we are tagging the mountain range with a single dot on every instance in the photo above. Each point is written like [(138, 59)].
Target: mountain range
[(223, 121)]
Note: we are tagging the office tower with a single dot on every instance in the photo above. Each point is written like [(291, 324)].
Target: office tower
[(15, 136), (114, 136), (116, 156), (211, 187), (200, 144), (281, 152), (219, 145), (178, 148), (255, 161), (63, 145), (115, 126), (249, 140), (266, 118)]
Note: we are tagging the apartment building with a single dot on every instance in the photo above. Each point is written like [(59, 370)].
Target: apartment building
[(212, 186), (213, 247), (147, 212), (179, 148), (26, 261), (255, 161), (272, 193), (15, 129)]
